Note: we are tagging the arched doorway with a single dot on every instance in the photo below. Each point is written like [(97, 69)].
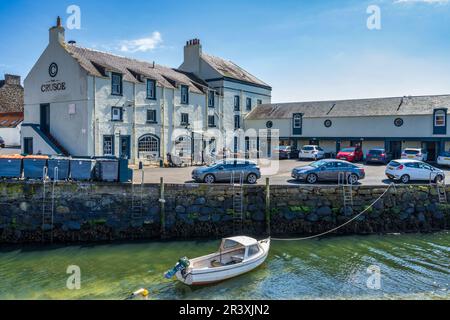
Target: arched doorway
[(148, 147)]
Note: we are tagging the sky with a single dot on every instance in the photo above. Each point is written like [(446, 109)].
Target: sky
[(306, 50)]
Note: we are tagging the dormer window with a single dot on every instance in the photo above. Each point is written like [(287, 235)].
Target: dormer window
[(116, 84), (151, 89), (184, 94), (440, 121)]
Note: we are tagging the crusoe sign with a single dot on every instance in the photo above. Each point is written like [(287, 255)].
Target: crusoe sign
[(53, 85)]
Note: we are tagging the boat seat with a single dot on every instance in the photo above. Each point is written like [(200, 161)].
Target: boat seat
[(237, 259)]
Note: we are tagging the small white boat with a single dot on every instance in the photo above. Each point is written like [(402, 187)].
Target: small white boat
[(236, 256)]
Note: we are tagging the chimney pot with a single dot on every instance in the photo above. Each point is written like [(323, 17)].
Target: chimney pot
[(58, 21)]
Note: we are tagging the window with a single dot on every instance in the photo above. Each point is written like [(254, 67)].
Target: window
[(211, 99), (237, 122), (28, 145), (248, 104), (116, 114), (237, 103), (259, 101), (184, 119), (297, 121), (151, 116), (211, 121), (184, 94), (108, 145), (439, 118), (116, 84), (236, 144), (148, 144), (151, 89)]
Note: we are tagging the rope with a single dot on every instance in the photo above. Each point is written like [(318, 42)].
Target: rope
[(342, 225)]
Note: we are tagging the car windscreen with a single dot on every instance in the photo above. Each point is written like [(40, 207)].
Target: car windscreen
[(318, 164), (308, 148), (394, 164), (443, 154), (376, 152), (410, 151), (348, 150)]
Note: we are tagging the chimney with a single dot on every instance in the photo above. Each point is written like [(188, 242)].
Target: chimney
[(192, 54), (12, 79), (57, 33)]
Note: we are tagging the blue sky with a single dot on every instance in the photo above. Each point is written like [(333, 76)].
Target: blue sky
[(307, 50)]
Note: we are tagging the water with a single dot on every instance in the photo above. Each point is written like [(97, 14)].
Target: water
[(412, 267)]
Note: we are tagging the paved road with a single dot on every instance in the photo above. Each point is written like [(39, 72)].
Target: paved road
[(10, 150), (374, 175)]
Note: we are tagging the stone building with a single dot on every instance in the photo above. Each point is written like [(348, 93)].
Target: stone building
[(11, 94)]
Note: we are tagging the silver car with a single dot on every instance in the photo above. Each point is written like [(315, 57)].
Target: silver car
[(329, 170), (223, 171)]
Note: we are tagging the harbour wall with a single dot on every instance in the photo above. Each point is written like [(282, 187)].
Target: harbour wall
[(94, 212)]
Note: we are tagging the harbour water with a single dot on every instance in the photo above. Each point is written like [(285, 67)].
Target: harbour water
[(412, 267)]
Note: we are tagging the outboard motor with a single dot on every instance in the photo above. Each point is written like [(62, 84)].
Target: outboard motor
[(182, 264)]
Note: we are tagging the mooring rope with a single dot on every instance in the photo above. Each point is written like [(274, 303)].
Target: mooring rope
[(342, 225)]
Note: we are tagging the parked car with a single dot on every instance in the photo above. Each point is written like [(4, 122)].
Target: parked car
[(405, 170), (223, 170), (2, 143), (311, 152), (351, 154), (286, 152), (329, 170), (444, 158), (415, 153), (378, 155)]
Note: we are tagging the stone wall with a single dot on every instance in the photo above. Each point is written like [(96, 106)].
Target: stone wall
[(92, 212), (11, 94)]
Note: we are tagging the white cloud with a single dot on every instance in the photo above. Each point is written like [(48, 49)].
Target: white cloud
[(143, 44), (423, 1)]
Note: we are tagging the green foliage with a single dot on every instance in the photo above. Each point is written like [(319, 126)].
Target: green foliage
[(301, 209), (193, 216), (97, 222), (396, 210), (230, 212)]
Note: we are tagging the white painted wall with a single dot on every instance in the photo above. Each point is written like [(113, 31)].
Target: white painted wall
[(11, 136)]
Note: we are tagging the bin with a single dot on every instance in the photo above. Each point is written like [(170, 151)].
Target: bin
[(33, 166), (63, 165), (11, 166), (107, 169), (82, 169), (125, 173)]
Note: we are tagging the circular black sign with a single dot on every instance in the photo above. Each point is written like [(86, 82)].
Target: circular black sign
[(328, 123), (53, 70), (398, 122), (269, 124)]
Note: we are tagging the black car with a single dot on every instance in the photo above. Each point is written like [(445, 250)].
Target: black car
[(378, 155), (286, 152)]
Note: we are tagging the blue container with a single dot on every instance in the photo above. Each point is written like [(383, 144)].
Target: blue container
[(63, 165), (125, 173), (107, 169), (33, 168), (82, 169), (10, 168)]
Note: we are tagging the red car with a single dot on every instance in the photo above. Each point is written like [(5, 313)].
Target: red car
[(351, 154)]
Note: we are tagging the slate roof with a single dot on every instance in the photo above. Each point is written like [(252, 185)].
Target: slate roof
[(97, 62), (231, 70), (10, 119), (400, 106)]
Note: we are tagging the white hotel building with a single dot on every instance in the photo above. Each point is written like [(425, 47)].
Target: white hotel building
[(82, 102)]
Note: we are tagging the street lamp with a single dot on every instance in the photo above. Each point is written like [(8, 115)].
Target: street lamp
[(188, 128)]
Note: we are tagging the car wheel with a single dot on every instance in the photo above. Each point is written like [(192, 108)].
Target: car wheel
[(209, 179), (252, 178), (438, 179), (405, 179), (311, 178), (353, 179)]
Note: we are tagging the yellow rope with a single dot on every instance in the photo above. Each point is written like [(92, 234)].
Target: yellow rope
[(344, 224)]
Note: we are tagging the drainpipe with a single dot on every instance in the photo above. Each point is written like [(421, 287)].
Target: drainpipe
[(163, 143), (133, 135), (94, 122)]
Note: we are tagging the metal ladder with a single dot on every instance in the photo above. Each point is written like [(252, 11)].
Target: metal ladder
[(48, 203), (347, 189), (238, 201), (137, 198), (440, 188)]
